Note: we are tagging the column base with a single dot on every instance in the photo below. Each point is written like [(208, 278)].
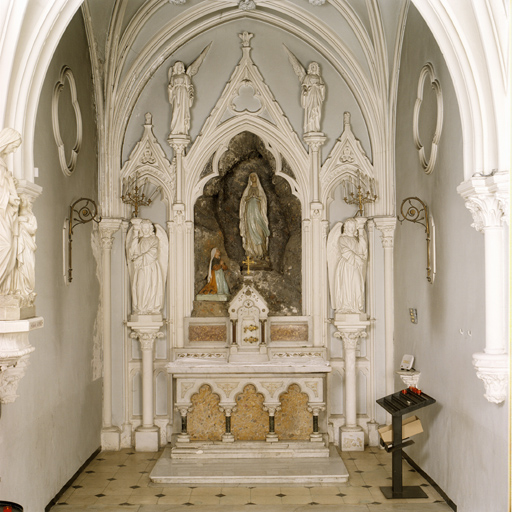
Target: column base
[(373, 433), (271, 438), (352, 439), (111, 439), (183, 438), (316, 437), (228, 438), (146, 439)]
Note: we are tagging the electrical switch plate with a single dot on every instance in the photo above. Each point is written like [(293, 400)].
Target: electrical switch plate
[(414, 315)]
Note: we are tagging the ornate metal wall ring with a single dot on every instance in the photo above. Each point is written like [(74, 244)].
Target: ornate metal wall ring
[(414, 210), (82, 211)]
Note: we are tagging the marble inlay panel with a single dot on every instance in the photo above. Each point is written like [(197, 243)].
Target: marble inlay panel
[(207, 333), (289, 332), (294, 421), (249, 422), (206, 422)]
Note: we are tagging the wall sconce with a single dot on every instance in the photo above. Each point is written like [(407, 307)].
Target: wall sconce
[(81, 211), (416, 211)]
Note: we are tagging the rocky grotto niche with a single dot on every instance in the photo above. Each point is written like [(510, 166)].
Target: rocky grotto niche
[(217, 224)]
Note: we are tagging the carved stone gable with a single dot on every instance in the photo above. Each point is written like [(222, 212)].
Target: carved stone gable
[(346, 158), (246, 93), (148, 160)]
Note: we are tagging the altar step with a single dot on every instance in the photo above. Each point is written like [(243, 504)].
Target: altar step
[(313, 471), (248, 450)]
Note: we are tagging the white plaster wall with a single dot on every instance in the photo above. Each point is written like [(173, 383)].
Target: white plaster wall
[(464, 447), (54, 425)]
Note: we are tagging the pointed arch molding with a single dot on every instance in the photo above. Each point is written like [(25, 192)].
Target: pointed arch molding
[(427, 72), (67, 165)]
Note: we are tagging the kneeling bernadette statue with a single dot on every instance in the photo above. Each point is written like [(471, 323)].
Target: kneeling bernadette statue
[(217, 284)]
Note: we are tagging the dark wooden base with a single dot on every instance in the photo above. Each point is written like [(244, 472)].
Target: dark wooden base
[(409, 492)]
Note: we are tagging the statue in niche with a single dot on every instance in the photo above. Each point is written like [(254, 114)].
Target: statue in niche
[(147, 265), (347, 254), (9, 203), (181, 93), (312, 92), (253, 219), (217, 287), (24, 270)]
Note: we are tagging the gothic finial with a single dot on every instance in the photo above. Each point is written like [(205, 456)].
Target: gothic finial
[(247, 5), (149, 118), (346, 118), (246, 39)]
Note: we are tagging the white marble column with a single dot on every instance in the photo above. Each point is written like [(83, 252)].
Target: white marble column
[(487, 198), (179, 272), (110, 434), (146, 436), (179, 143), (350, 331), (387, 225), (315, 142)]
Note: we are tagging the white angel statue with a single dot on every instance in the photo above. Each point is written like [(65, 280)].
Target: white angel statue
[(312, 94), (347, 254), (181, 92), (146, 251)]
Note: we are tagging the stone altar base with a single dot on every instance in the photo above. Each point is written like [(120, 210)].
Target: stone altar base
[(248, 450), (285, 470)]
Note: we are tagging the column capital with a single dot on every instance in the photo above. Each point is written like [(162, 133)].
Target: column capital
[(316, 408), (350, 334), (315, 140), (488, 199), (108, 227), (387, 226), (494, 371), (179, 143), (146, 336)]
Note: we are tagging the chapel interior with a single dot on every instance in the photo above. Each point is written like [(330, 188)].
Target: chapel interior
[(229, 227)]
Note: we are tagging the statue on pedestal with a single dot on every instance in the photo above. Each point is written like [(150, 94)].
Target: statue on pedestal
[(24, 270), (312, 92), (347, 254), (147, 264), (181, 93), (9, 203), (254, 228)]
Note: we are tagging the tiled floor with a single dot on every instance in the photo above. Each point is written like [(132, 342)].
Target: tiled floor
[(119, 481)]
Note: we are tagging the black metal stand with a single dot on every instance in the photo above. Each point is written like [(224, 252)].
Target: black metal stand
[(397, 405)]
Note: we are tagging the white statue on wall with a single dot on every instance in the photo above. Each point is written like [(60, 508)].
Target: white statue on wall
[(147, 250), (254, 228), (24, 270), (9, 203), (312, 92), (347, 254), (181, 93)]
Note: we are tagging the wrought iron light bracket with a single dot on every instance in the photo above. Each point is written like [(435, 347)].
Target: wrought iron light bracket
[(82, 211), (414, 210)]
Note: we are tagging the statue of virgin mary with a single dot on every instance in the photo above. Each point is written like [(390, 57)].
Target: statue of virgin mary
[(253, 219)]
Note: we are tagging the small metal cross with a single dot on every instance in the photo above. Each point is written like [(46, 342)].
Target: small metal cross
[(248, 262)]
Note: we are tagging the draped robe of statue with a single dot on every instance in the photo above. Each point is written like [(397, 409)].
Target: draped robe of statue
[(253, 219), (217, 284), (24, 272), (181, 97), (350, 270), (148, 281), (313, 95), (9, 202)]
